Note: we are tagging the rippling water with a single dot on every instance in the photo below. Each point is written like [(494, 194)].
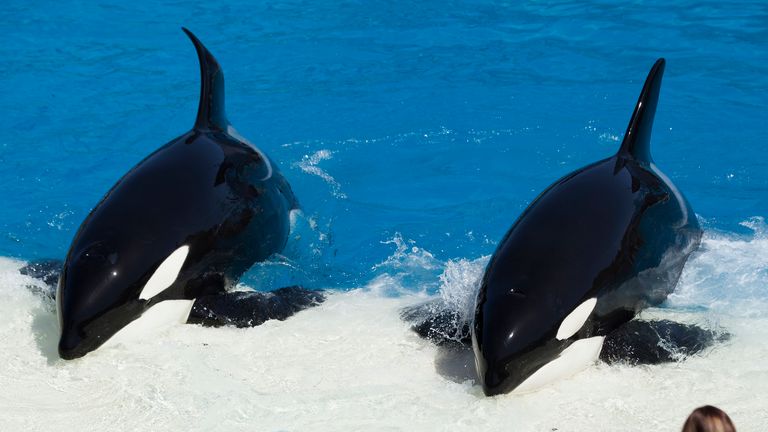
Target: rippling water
[(413, 136)]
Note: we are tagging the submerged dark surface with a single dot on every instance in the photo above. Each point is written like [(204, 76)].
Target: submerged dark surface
[(250, 308), (638, 342)]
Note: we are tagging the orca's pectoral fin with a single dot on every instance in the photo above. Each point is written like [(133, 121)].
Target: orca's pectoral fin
[(437, 323), (47, 271), (659, 341), (252, 308)]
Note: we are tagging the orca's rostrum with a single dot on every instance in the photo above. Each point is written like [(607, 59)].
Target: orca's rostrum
[(182, 225), (584, 258)]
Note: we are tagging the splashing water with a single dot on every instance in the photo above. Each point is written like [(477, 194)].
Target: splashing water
[(309, 164), (330, 359), (459, 284), (416, 136)]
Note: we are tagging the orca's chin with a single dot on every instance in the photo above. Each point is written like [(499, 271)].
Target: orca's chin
[(73, 346), (499, 381), (71, 354), (75, 343), (494, 389)]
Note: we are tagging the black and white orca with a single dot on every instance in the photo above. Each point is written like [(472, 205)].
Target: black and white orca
[(180, 227), (589, 253)]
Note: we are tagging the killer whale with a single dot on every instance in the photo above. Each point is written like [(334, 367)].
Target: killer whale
[(590, 252), (181, 226)]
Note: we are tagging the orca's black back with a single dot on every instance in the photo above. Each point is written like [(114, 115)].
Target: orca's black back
[(615, 230), (209, 194), (203, 190)]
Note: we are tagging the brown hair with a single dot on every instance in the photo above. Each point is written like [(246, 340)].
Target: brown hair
[(708, 419)]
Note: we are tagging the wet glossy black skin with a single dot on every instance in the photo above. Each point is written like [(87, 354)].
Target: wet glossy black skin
[(206, 189), (617, 230)]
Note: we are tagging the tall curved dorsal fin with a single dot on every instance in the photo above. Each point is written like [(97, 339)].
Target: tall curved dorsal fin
[(211, 113), (637, 139)]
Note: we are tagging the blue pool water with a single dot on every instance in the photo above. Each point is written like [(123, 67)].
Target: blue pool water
[(440, 121), (413, 133)]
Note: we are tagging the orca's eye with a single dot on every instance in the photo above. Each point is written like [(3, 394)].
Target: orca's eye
[(94, 254), (91, 256)]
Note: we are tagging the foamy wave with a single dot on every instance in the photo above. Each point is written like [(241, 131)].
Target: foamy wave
[(351, 362), (459, 284), (729, 274)]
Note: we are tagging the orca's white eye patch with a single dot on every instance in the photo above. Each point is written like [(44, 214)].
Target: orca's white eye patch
[(576, 319), (165, 274)]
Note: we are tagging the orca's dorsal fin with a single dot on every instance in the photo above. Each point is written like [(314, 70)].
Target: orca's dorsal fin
[(211, 113), (637, 139)]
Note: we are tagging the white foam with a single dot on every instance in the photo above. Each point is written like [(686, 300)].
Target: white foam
[(352, 364), (459, 284), (729, 274)]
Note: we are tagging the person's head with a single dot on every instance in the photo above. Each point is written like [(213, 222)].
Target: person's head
[(708, 419)]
